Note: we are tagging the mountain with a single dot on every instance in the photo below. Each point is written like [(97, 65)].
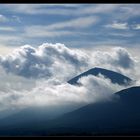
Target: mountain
[(26, 116), (120, 116), (113, 76), (116, 117), (26, 121), (131, 96)]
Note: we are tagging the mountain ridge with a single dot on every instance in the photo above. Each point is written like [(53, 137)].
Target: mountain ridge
[(115, 77)]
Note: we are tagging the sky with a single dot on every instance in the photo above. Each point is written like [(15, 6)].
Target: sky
[(42, 46), (75, 25)]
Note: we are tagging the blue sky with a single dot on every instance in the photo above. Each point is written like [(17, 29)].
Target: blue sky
[(75, 25)]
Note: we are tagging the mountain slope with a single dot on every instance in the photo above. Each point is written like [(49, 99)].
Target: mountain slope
[(121, 116), (98, 118), (131, 96), (113, 76), (116, 117), (29, 119)]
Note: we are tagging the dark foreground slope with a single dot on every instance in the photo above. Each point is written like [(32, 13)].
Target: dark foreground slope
[(117, 117), (113, 76)]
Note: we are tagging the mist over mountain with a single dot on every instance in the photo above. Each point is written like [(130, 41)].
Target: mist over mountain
[(104, 117), (120, 116), (113, 76), (43, 101)]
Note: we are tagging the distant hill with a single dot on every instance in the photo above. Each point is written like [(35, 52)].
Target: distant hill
[(113, 76)]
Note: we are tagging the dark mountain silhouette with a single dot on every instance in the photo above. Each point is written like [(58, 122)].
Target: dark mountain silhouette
[(25, 119), (113, 76), (131, 96)]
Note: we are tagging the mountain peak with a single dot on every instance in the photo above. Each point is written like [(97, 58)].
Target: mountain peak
[(115, 77)]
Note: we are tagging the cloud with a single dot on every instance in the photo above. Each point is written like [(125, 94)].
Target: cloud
[(119, 58), (4, 28), (94, 83), (120, 26), (35, 9), (45, 61), (65, 27), (25, 8), (119, 11), (10, 82), (8, 41), (32, 77), (42, 31), (49, 60), (19, 93), (3, 18), (123, 58), (136, 27), (54, 29), (99, 8), (126, 35), (81, 22), (60, 9)]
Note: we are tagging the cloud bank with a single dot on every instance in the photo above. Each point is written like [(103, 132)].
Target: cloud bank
[(33, 77), (57, 60), (47, 60), (118, 57), (20, 93)]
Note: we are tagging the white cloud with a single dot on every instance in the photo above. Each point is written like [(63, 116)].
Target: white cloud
[(14, 82), (129, 35), (25, 8), (118, 58), (56, 59), (18, 92), (54, 29), (47, 60), (5, 28), (4, 38), (99, 8), (42, 31), (110, 57), (38, 76), (34, 9), (55, 8), (120, 26), (81, 22), (98, 87), (9, 42)]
